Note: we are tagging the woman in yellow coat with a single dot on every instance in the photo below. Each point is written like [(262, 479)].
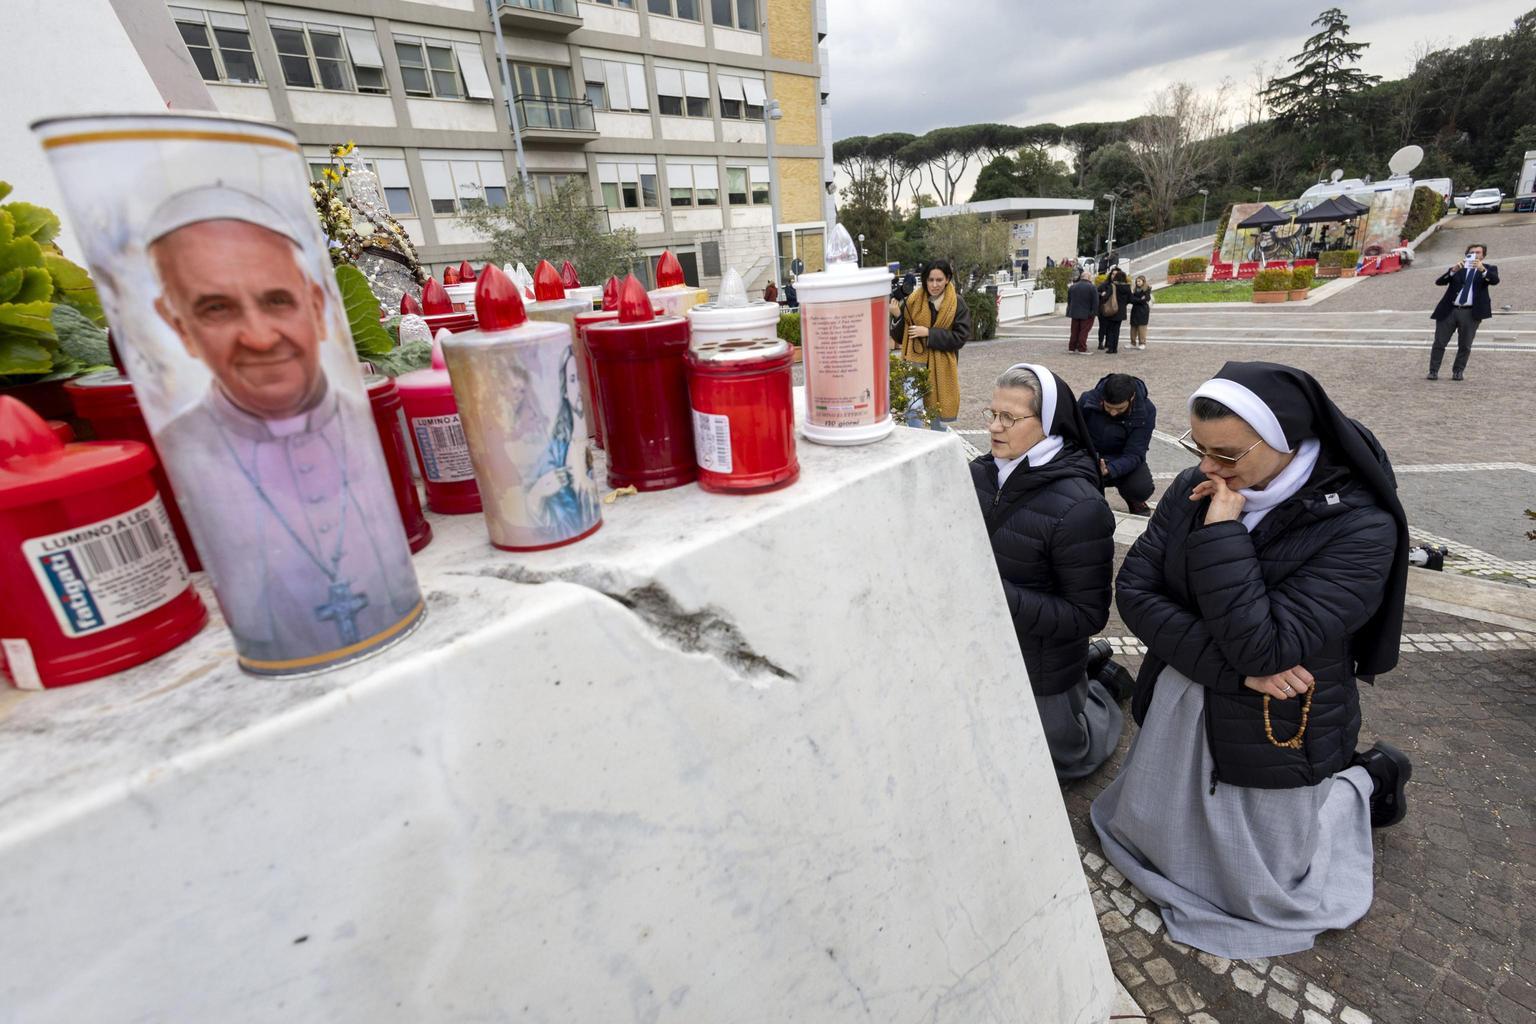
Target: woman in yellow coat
[(931, 327)]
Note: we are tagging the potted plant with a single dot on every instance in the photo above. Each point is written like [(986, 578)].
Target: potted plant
[(1347, 260), (1271, 285), (1328, 264), (789, 330), (1301, 283), (1186, 268)]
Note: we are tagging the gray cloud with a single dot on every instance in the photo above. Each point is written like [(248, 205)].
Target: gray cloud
[(902, 65)]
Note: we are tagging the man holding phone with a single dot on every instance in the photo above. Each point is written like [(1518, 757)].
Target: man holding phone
[(1465, 304)]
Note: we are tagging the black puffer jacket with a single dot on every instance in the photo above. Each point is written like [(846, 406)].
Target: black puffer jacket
[(1220, 604), (1053, 537)]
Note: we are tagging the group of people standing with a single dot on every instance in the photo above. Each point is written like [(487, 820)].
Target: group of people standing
[(1114, 301), (1268, 582)]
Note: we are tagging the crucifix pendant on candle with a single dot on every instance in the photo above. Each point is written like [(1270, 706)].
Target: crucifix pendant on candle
[(343, 607)]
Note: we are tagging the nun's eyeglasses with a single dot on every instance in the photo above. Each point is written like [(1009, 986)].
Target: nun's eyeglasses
[(1007, 419), (1196, 450)]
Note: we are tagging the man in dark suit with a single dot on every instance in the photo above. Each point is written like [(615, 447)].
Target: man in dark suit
[(1464, 305)]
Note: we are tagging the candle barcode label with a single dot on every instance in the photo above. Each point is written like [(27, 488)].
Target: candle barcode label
[(109, 572), (444, 451), (712, 441)]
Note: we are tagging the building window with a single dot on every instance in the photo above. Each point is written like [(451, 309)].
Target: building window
[(325, 57), (546, 185), (394, 181), (542, 81), (220, 45), (740, 14), (688, 10), (741, 97), (690, 185), (457, 185), (445, 70), (681, 92), (615, 85), (689, 262), (629, 185), (747, 186)]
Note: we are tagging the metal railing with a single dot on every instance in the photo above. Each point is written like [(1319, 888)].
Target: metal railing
[(1163, 239), (566, 7), (535, 112)]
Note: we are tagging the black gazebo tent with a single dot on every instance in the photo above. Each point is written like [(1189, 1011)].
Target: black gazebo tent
[(1329, 210), (1265, 217)]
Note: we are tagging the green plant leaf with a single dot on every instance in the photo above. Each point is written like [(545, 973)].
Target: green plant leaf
[(22, 355), (20, 252), (7, 227), (10, 283), (73, 285), (35, 222), (413, 355), (5, 189), (36, 286), (27, 320), (362, 313), (79, 338)]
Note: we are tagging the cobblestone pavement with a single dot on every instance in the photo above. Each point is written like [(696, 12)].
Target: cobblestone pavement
[(1447, 934)]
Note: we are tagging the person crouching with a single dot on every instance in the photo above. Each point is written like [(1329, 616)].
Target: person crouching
[(1053, 537)]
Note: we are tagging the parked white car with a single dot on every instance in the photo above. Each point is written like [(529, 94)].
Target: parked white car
[(1484, 200)]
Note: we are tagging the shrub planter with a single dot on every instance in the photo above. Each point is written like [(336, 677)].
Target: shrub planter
[(1297, 294), (1346, 271), (1270, 296), (1327, 271)]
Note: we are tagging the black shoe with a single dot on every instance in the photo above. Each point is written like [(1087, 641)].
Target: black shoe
[(1456, 375), (1432, 376), (1390, 770), (1117, 680), (1138, 508), (1098, 653)]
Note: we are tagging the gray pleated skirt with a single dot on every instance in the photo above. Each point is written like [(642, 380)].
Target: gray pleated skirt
[(1240, 873), (1082, 728)]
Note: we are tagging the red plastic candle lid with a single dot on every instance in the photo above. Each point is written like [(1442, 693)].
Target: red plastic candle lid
[(61, 430), (498, 306), (103, 393), (36, 466), (547, 285), (466, 272), (739, 352), (450, 275), (611, 294), (568, 275), (634, 303), (669, 272), (408, 304), (434, 298)]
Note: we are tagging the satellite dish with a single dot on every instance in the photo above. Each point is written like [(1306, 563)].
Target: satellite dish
[(1338, 172), (1406, 159)]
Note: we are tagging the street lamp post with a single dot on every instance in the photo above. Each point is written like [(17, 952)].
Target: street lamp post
[(861, 251), (1205, 194), (1258, 190), (1109, 243), (772, 112)]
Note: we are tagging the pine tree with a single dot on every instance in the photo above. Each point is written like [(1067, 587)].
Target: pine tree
[(1325, 74)]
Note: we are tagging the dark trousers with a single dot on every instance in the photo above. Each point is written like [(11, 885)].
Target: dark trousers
[(1464, 326), (1135, 487), (1111, 330), (1078, 342)]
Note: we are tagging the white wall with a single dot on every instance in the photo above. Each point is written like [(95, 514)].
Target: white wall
[(452, 115), (646, 222), (623, 126), (56, 69), (688, 129), (243, 100), (670, 30), (321, 107), (738, 42), (600, 18), (697, 220), (750, 132), (751, 216)]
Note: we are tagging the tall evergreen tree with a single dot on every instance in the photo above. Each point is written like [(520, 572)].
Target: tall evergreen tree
[(1325, 74)]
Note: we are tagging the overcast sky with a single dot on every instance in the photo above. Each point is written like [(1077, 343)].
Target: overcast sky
[(905, 65)]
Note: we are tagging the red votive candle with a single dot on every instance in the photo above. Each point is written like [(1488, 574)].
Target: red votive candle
[(106, 401), (642, 383), (384, 397), (437, 438), (742, 395), (91, 578)]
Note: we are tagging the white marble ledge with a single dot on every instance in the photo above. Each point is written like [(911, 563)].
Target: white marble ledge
[(70, 747)]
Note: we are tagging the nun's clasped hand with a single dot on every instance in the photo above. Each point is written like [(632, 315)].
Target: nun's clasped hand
[(1282, 685), (1226, 504)]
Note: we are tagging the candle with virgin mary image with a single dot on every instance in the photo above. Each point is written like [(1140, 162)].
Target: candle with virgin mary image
[(216, 279)]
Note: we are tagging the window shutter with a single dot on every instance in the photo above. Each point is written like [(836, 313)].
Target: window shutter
[(669, 82), (365, 48), (706, 176), (696, 85), (618, 92), (439, 179), (756, 95), (730, 88), (476, 82), (638, 94)]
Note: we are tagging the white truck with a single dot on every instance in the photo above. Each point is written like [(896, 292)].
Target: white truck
[(1525, 191)]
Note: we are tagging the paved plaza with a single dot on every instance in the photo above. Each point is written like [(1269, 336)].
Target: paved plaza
[(1448, 939)]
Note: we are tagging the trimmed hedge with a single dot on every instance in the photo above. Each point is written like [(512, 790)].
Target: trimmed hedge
[(1428, 207), (789, 328), (1058, 279), (1302, 277), (983, 309), (1339, 258), (1187, 265), (1272, 280)]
